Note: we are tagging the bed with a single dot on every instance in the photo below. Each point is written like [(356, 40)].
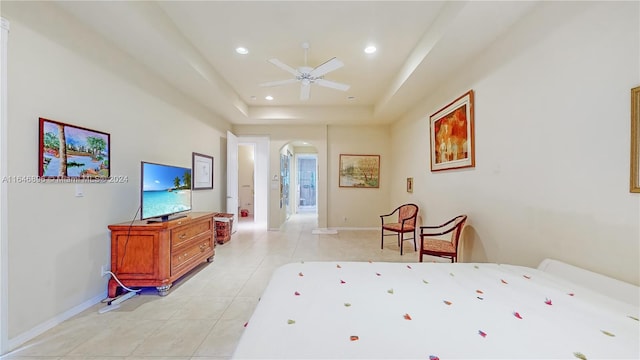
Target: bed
[(379, 310)]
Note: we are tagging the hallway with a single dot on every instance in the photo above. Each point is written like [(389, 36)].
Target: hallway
[(204, 314)]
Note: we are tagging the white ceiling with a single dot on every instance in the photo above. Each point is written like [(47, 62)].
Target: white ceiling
[(191, 45)]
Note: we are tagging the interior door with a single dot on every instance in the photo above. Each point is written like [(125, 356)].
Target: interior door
[(232, 178)]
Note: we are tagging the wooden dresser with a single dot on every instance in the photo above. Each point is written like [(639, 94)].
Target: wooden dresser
[(157, 254)]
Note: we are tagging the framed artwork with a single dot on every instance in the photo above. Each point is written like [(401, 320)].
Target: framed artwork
[(410, 185), (635, 140), (452, 135), (202, 171), (359, 171), (68, 151)]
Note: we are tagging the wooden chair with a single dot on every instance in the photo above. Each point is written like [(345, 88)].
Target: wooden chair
[(439, 247), (404, 223)]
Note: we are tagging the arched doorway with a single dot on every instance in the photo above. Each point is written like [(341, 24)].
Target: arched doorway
[(298, 178)]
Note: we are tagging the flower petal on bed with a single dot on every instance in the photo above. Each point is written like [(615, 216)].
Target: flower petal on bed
[(517, 314), (579, 355)]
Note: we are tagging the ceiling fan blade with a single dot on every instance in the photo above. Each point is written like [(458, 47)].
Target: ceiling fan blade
[(305, 88), (278, 82), (332, 84), (284, 66), (328, 66)]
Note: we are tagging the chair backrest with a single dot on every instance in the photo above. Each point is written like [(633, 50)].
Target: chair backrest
[(408, 212), (458, 224)]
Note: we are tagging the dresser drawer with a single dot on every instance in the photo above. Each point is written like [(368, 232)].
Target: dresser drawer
[(183, 234), (193, 249)]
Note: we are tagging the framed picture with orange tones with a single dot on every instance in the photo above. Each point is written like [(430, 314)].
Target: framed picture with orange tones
[(452, 135), (359, 171)]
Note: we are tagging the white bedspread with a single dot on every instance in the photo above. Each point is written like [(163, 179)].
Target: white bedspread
[(378, 310)]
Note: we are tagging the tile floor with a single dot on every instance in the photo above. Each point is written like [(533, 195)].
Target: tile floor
[(204, 314)]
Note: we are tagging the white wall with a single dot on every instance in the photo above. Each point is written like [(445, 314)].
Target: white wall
[(552, 118), (279, 136), (57, 242), (334, 203), (361, 207)]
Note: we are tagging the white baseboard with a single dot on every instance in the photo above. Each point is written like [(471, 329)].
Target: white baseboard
[(356, 228), (15, 342)]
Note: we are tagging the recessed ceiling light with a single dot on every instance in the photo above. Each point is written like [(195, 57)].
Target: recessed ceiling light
[(370, 49), (253, 97), (351, 97), (269, 97), (242, 50)]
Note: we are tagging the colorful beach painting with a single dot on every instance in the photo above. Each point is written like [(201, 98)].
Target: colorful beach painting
[(67, 151)]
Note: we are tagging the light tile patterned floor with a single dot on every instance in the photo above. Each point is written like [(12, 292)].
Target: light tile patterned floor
[(204, 314)]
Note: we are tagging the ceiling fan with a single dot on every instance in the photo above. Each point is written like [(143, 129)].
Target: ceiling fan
[(307, 75)]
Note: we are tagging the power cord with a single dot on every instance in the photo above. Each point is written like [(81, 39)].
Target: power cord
[(121, 284), (126, 242)]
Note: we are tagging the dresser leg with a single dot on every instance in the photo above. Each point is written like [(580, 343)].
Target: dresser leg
[(210, 258), (112, 288), (163, 290)]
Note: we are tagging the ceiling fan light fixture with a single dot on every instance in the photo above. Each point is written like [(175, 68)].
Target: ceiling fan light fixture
[(308, 76)]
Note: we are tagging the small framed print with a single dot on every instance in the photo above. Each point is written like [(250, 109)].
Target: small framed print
[(410, 185), (202, 172)]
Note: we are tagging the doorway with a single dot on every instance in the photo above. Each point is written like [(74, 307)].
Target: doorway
[(255, 177), (307, 195), (246, 182)]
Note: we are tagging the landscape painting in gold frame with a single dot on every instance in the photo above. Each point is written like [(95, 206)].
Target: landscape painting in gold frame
[(359, 171), (452, 135), (635, 140)]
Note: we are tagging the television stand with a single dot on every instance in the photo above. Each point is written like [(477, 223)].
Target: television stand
[(157, 254), (165, 218)]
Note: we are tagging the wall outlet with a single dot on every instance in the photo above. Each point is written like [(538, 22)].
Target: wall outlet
[(104, 270)]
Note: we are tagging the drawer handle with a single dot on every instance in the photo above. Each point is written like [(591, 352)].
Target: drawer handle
[(182, 236)]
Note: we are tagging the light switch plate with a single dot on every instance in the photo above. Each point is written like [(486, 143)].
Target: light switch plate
[(79, 190)]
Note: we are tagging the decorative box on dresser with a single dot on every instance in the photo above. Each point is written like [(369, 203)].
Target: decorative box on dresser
[(157, 254)]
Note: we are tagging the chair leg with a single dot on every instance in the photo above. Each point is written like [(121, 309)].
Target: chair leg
[(382, 239), (400, 240), (415, 247)]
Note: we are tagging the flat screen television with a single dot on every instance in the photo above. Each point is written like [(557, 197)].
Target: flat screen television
[(165, 191)]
